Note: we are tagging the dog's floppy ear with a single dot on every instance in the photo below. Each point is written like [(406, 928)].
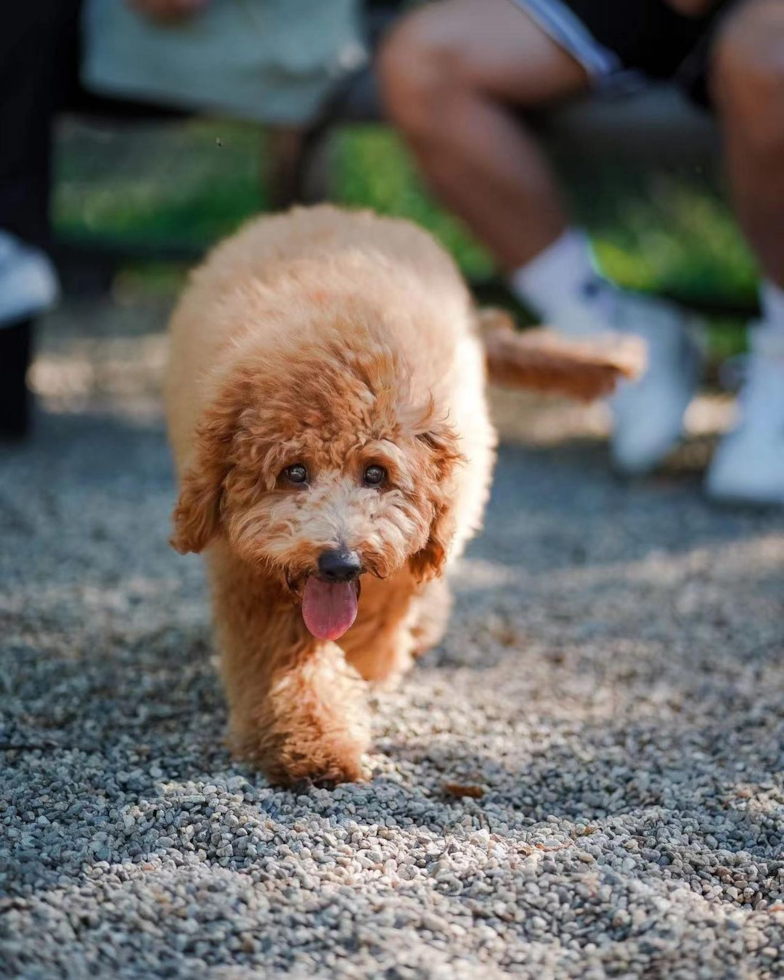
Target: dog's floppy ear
[(546, 361), (196, 515), (443, 456)]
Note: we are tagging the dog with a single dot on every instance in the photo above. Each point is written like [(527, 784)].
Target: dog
[(325, 397)]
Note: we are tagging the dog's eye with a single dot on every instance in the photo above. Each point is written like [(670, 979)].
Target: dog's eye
[(375, 476), (296, 473)]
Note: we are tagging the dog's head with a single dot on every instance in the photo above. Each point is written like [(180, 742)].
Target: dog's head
[(318, 466)]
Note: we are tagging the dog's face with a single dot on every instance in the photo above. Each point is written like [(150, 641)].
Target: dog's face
[(317, 468)]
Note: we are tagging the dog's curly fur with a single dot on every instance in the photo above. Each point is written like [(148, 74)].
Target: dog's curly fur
[(340, 340)]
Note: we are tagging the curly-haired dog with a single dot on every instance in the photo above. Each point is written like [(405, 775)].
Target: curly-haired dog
[(326, 406)]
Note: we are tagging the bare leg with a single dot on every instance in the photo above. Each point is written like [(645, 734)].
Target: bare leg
[(748, 86), (296, 707), (450, 75), (747, 79)]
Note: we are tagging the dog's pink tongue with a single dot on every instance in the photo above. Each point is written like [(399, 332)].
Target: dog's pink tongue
[(329, 608)]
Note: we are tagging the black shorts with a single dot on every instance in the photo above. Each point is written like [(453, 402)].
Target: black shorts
[(618, 41)]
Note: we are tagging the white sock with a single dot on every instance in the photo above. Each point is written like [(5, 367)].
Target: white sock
[(562, 275)]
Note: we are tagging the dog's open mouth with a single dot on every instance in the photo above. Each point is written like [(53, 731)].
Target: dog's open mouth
[(329, 608)]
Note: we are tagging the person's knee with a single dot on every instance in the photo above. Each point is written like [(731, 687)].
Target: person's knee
[(747, 75), (419, 68)]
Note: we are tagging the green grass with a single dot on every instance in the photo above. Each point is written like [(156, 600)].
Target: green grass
[(666, 232), (193, 183), (185, 183)]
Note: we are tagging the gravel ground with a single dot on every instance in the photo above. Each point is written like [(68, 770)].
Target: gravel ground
[(610, 691)]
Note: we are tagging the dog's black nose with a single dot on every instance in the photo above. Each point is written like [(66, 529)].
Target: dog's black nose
[(339, 565)]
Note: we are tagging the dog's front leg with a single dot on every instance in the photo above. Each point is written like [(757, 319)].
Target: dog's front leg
[(399, 620), (297, 709)]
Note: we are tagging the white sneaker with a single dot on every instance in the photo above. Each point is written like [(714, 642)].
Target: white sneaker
[(748, 466), (28, 282), (647, 413)]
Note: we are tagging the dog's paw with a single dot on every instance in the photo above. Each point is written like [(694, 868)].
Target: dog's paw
[(289, 758), (320, 764), (312, 724)]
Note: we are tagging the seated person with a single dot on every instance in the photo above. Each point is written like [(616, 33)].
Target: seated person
[(454, 72), (275, 61)]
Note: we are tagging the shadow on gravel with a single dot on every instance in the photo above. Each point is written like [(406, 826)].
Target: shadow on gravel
[(704, 793), (110, 670), (562, 507)]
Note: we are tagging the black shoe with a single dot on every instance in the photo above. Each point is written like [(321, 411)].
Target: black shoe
[(15, 399)]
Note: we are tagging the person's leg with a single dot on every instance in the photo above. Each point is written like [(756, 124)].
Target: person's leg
[(747, 85), (746, 81), (451, 76)]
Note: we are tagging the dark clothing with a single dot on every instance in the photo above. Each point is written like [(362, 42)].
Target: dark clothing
[(647, 35), (37, 48), (39, 77), (642, 37)]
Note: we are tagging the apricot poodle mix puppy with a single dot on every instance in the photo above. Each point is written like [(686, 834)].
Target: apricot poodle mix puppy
[(326, 407)]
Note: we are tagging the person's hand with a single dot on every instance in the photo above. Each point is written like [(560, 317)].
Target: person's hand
[(168, 11), (692, 8)]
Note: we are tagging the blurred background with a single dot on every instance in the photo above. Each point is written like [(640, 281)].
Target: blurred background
[(135, 205), (141, 201), (146, 178)]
